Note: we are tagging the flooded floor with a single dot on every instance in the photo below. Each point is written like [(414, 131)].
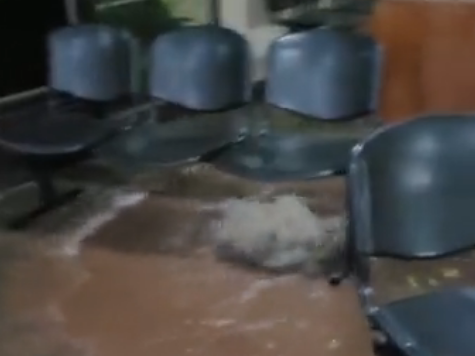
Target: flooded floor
[(111, 303), (149, 306), (143, 283), (107, 301)]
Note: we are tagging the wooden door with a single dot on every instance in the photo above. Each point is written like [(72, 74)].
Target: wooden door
[(429, 57)]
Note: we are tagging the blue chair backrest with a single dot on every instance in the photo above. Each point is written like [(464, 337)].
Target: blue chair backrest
[(412, 188)]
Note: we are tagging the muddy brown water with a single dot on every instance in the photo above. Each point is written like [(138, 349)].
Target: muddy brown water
[(146, 284), (113, 303), (149, 306)]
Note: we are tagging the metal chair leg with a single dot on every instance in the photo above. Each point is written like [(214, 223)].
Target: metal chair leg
[(49, 199)]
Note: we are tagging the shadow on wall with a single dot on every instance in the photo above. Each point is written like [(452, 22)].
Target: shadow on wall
[(144, 18)]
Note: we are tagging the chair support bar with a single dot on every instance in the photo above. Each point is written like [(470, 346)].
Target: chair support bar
[(49, 199)]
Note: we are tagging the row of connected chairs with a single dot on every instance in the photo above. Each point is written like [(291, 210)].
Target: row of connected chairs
[(320, 73), (187, 66), (411, 196)]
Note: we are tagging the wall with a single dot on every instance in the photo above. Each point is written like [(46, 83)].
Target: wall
[(249, 18)]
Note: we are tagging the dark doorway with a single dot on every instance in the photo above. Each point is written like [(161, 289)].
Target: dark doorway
[(23, 58)]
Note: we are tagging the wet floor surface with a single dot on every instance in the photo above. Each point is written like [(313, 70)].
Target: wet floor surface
[(145, 284), (117, 304), (107, 301), (150, 306)]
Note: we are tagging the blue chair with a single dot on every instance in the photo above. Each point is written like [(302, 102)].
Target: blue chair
[(93, 62), (87, 63), (203, 68), (324, 74), (411, 197)]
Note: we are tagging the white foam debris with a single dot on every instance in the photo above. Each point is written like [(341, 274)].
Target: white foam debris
[(129, 199), (71, 245), (219, 323), (270, 345), (282, 233), (287, 218), (262, 325), (259, 286), (334, 344)]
